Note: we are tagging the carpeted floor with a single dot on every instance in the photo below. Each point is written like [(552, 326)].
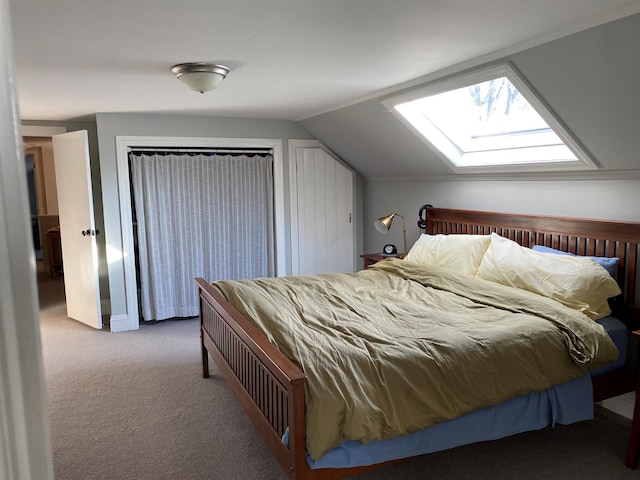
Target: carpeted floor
[(133, 406)]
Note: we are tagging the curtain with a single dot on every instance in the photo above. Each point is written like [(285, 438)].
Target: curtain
[(199, 215)]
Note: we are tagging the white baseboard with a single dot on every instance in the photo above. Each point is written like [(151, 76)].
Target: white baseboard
[(622, 405), (122, 323)]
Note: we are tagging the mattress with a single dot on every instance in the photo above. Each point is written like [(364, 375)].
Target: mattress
[(619, 333), (564, 404)]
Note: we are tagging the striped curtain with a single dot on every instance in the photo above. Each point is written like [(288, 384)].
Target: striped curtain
[(199, 215)]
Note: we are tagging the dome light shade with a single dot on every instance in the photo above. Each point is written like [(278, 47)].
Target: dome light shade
[(200, 77)]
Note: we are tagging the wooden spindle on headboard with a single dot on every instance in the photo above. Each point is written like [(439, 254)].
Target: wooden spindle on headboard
[(579, 236)]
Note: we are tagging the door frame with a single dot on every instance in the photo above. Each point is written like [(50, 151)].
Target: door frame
[(25, 445), (45, 131), (293, 195), (131, 320)]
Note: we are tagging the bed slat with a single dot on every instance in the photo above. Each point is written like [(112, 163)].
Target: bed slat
[(258, 382), (577, 236)]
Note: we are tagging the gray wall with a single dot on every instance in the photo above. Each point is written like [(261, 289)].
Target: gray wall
[(613, 198), (591, 80), (110, 125)]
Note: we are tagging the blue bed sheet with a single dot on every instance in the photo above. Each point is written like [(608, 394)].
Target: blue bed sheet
[(565, 404)]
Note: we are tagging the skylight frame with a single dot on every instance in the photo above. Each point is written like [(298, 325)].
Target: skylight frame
[(449, 149)]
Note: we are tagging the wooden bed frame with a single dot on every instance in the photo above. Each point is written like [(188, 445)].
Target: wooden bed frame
[(271, 388)]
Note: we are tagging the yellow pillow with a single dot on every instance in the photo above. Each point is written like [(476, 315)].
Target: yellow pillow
[(461, 253), (577, 282)]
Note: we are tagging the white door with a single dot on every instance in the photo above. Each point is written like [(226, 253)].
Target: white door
[(323, 223), (77, 227)]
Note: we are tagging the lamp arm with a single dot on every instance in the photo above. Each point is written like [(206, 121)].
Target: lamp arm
[(404, 233)]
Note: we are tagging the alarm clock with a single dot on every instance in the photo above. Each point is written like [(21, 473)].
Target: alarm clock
[(389, 249)]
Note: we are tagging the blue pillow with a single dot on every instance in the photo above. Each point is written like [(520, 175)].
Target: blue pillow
[(609, 263)]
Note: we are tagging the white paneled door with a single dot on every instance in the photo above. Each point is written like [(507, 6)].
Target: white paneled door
[(77, 227), (322, 238)]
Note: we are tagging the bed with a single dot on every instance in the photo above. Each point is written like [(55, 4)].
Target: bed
[(271, 387)]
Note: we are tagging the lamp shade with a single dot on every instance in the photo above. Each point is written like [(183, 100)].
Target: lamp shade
[(383, 224), (200, 77)]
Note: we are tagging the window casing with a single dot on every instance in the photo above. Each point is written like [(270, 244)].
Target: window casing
[(489, 120)]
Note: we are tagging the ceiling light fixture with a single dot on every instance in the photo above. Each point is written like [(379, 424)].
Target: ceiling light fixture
[(200, 77)]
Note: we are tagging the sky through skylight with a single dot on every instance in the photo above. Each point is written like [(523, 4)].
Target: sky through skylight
[(488, 123)]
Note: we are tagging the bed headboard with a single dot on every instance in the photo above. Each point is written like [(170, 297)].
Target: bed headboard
[(602, 238)]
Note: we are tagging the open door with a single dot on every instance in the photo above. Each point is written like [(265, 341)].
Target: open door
[(77, 227)]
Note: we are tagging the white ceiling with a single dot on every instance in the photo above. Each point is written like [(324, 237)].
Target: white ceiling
[(289, 59)]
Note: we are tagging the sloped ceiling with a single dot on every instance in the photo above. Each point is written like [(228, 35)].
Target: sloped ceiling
[(324, 63), (589, 79)]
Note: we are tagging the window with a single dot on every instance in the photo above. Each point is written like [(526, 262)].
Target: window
[(490, 120)]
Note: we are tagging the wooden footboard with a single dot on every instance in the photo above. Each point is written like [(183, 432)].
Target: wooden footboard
[(270, 387)]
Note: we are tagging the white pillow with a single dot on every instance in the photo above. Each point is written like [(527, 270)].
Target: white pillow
[(461, 253), (577, 282)]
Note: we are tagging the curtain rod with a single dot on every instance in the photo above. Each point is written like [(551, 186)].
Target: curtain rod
[(197, 150)]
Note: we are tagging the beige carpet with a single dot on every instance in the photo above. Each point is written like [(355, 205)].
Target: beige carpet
[(133, 406)]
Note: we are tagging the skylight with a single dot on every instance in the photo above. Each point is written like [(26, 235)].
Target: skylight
[(490, 120)]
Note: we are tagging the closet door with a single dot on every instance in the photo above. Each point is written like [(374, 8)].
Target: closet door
[(322, 200)]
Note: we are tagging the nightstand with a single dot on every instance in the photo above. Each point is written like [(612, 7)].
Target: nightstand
[(371, 258), (634, 436)]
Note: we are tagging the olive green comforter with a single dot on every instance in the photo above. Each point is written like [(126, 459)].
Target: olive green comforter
[(397, 347)]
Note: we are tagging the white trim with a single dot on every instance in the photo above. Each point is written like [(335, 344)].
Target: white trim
[(523, 176), (41, 130), (131, 320), (123, 143), (585, 162), (120, 323), (25, 446)]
